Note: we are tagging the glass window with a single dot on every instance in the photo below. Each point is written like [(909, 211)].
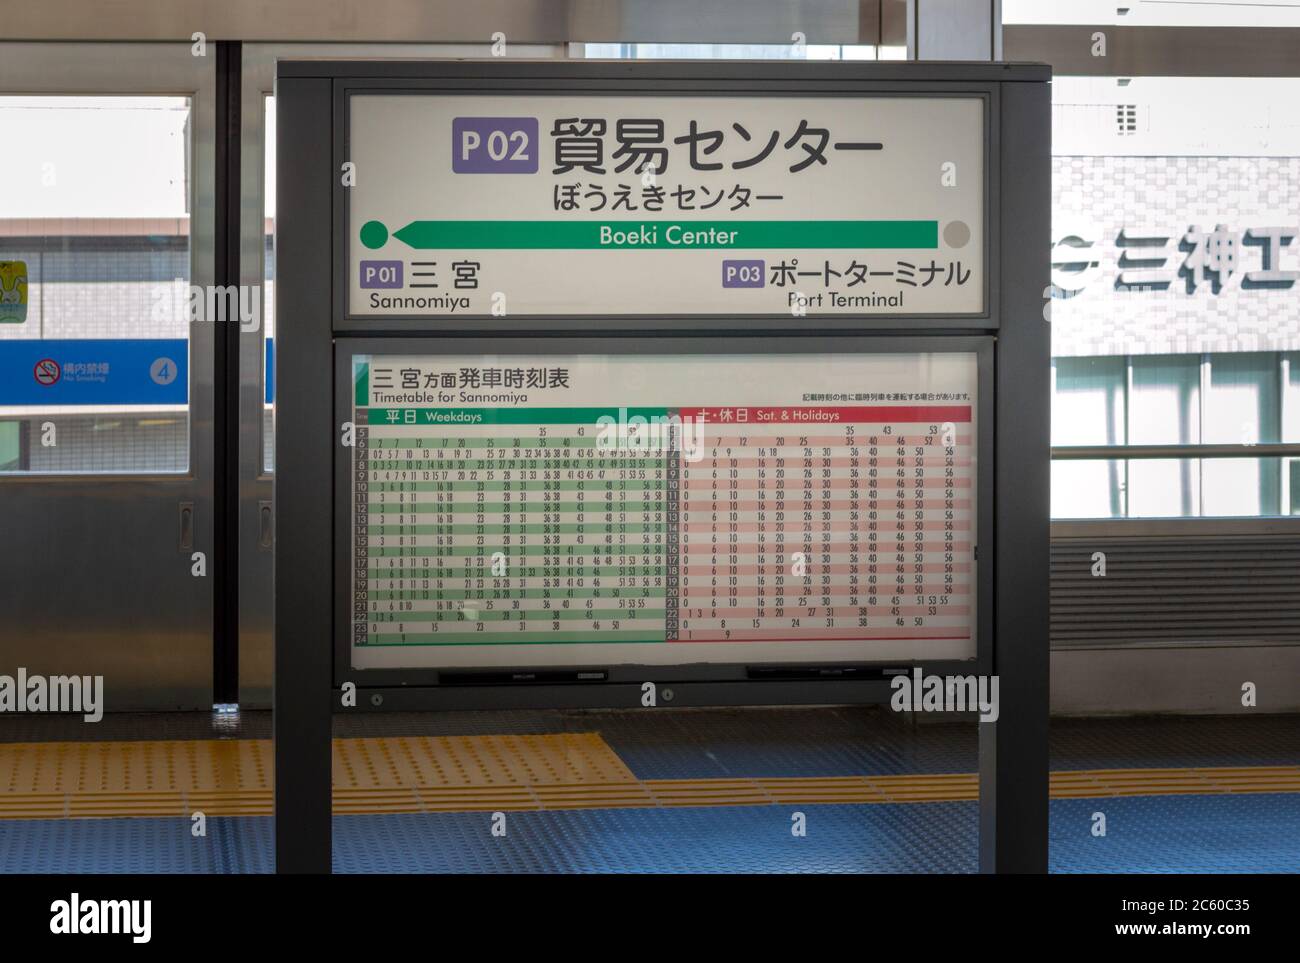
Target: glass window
[(1242, 407), (1088, 409), (1175, 254), (1234, 399), (1289, 377), (1164, 409), (94, 284)]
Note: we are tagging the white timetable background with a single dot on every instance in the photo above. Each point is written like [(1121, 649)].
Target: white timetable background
[(714, 522)]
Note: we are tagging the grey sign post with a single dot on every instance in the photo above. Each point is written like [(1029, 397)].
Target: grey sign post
[(336, 269)]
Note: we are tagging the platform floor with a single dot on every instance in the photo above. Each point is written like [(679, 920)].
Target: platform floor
[(667, 791)]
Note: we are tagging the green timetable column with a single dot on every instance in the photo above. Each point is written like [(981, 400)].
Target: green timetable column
[(360, 533), (515, 526)]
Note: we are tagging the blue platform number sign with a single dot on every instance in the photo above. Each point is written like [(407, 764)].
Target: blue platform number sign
[(163, 371), (13, 292), (94, 371)]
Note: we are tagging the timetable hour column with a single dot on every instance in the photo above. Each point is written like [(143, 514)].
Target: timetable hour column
[(361, 531), (672, 530), (950, 462), (700, 600), (897, 448), (919, 518), (731, 528), (856, 486)]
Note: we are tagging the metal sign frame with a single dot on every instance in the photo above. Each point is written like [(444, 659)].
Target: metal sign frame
[(316, 338), (604, 686), (519, 80)]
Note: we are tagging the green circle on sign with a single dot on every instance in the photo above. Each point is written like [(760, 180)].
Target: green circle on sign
[(374, 234)]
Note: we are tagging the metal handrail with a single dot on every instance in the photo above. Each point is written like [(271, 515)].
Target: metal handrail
[(1134, 452)]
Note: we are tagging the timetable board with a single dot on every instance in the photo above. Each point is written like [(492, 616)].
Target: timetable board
[(661, 509)]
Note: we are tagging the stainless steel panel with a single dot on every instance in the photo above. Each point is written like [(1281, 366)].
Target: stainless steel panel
[(869, 13), (954, 29), (1128, 452), (95, 580), (1159, 51), (893, 23), (1089, 528), (408, 21), (1181, 681)]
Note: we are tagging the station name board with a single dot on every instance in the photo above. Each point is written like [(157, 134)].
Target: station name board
[(665, 205)]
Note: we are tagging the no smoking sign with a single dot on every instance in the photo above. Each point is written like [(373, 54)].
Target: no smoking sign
[(47, 371)]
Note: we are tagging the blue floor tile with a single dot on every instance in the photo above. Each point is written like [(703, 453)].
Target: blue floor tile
[(939, 837), (1147, 834), (163, 845), (1255, 833)]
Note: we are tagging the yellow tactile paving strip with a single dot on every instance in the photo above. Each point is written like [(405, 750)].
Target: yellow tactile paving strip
[(80, 768), (1164, 782), (486, 773)]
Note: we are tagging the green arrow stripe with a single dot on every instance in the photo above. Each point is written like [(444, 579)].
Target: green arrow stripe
[(668, 235)]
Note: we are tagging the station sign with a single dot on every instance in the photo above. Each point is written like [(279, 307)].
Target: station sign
[(467, 205)]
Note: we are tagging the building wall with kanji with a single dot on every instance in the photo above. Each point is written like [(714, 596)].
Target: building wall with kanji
[(1175, 255)]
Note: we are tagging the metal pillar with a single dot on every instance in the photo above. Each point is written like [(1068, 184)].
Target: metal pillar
[(1014, 750), (303, 498)]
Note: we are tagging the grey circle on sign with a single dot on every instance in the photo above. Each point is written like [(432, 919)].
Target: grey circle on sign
[(956, 234), (163, 371)]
